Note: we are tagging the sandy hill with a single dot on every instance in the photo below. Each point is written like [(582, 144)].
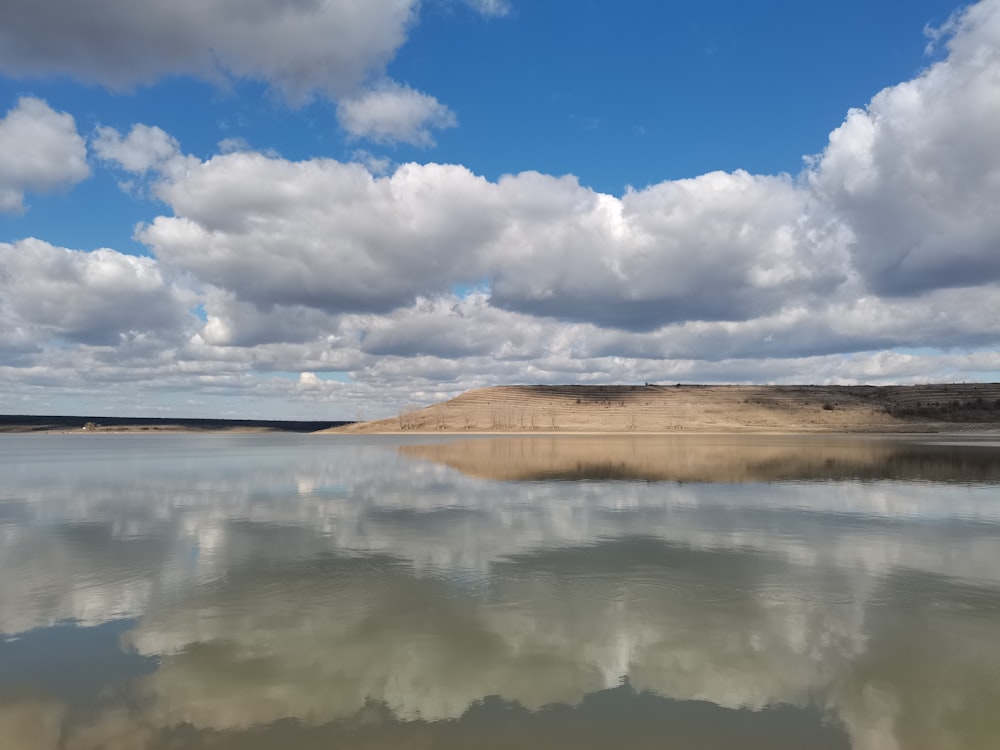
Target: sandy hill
[(694, 408)]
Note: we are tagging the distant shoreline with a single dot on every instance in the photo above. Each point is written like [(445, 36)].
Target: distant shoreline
[(22, 423)]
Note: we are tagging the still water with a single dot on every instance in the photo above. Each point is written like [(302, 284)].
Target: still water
[(276, 591)]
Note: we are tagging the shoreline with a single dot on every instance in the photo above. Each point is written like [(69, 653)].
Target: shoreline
[(22, 424), (941, 429)]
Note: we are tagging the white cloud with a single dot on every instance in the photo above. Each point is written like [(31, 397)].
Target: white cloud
[(393, 113), (40, 150), (230, 145), (915, 176), (331, 236), (323, 234), (92, 298), (145, 148), (720, 246), (148, 153), (490, 7)]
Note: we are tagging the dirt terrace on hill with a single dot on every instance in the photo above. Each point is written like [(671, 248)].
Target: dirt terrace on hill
[(695, 408)]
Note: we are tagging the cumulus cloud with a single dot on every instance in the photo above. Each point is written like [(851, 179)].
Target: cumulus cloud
[(40, 150), (333, 236), (915, 175), (96, 298), (323, 234), (143, 149), (393, 113), (721, 246)]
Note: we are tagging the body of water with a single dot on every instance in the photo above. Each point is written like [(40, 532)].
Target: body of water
[(262, 591)]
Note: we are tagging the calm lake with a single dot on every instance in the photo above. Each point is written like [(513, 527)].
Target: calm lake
[(281, 591)]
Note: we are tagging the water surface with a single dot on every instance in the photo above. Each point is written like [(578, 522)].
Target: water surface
[(164, 591)]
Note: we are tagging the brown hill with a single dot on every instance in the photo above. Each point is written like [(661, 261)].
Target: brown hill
[(695, 408)]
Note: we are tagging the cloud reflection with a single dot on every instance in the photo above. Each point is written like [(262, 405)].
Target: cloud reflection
[(337, 580)]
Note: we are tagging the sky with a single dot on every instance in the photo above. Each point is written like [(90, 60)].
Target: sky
[(338, 209)]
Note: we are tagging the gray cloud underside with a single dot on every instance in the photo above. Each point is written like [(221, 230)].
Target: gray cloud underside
[(297, 45)]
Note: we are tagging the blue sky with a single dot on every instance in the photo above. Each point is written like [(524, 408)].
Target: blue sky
[(350, 207)]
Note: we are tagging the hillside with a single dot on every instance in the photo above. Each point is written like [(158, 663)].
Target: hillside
[(695, 408)]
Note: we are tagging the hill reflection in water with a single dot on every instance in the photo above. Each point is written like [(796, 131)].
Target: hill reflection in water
[(699, 458)]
